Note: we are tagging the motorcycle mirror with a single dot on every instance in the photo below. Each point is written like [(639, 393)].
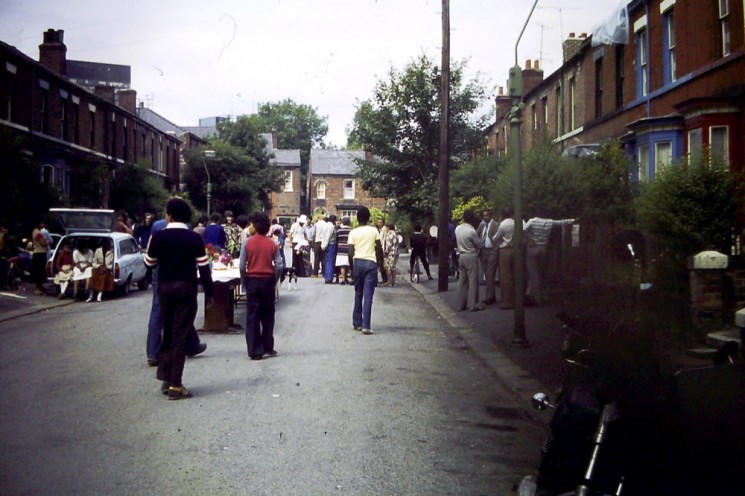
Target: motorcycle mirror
[(541, 401)]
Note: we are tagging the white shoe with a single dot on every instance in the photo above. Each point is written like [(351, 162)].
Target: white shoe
[(99, 297)]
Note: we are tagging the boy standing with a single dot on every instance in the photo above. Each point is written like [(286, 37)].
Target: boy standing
[(257, 270), (176, 251), (364, 253)]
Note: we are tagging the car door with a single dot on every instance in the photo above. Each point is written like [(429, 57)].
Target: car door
[(131, 256)]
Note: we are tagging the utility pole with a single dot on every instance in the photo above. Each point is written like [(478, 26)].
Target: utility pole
[(443, 239), (516, 92)]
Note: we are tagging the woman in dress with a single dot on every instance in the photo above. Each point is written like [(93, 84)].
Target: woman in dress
[(64, 265), (102, 278), (390, 254), (83, 268), (342, 251)]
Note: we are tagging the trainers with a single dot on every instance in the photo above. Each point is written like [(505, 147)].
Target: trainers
[(367, 331), (178, 393)]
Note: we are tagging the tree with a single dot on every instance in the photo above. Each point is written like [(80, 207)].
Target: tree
[(400, 125), (136, 191), (240, 180)]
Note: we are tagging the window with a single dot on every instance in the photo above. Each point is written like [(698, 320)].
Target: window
[(112, 145), (663, 155), (47, 177), (349, 189), (572, 102), (544, 106), (43, 110), (644, 163), (668, 47), (349, 214), (63, 118), (288, 181), (10, 90), (534, 117), (321, 191), (125, 141), (619, 75), (642, 76), (599, 87), (695, 145), (719, 143), (724, 21), (92, 121), (558, 111), (76, 123)]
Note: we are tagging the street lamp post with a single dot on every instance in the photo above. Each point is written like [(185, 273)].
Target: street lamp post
[(516, 92), (208, 154)]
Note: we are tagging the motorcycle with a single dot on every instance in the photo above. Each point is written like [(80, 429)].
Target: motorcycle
[(620, 427)]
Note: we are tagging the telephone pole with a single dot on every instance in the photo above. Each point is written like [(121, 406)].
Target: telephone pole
[(443, 239)]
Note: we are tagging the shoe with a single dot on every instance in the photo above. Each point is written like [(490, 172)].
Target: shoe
[(343, 283), (478, 308), (430, 277), (356, 328), (178, 393), (153, 362), (367, 332), (164, 387), (200, 349), (272, 353), (90, 299), (255, 357), (100, 297), (61, 296), (489, 302)]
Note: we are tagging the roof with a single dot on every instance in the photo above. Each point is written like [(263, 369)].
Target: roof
[(158, 121), (335, 162), (286, 157)]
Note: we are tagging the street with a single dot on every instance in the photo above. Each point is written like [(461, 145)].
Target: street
[(410, 410)]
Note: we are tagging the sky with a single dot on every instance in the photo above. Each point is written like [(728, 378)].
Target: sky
[(194, 59)]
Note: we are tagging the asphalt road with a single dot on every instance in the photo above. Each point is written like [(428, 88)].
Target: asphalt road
[(411, 410)]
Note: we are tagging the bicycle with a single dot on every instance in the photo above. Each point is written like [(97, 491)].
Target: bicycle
[(416, 271)]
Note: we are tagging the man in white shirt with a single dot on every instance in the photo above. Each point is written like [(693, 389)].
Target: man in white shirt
[(469, 244), (503, 239), (489, 255), (537, 231)]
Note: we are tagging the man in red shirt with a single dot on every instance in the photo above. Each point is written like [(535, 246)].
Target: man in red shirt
[(257, 267)]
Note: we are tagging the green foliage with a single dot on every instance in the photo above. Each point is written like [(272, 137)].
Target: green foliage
[(475, 204), (241, 175), (401, 125), (689, 208), (597, 188), (477, 177), (136, 191), (24, 200)]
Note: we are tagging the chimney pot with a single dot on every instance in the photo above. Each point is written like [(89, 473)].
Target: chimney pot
[(572, 35), (528, 64), (583, 35), (536, 64)]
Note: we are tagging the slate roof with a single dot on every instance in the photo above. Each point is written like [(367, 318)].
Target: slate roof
[(334, 162), (283, 158)]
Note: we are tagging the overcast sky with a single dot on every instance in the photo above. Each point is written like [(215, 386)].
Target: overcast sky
[(193, 59)]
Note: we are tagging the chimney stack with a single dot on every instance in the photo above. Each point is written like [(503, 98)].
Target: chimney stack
[(53, 52), (128, 100), (573, 45), (105, 92)]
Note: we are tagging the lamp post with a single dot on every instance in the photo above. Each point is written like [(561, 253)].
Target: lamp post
[(516, 92), (208, 154)]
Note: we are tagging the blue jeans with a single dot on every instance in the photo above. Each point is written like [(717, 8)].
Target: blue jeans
[(365, 277), (155, 326), (330, 265)]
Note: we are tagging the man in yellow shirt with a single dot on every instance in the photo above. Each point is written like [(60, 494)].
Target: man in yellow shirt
[(364, 252)]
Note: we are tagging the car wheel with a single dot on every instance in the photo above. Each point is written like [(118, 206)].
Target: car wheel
[(143, 284), (124, 289)]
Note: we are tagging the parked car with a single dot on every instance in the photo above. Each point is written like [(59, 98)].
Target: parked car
[(93, 227)]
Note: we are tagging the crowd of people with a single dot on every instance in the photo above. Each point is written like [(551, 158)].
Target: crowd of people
[(487, 246)]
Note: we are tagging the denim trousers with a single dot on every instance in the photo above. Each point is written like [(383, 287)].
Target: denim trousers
[(330, 265), (365, 277)]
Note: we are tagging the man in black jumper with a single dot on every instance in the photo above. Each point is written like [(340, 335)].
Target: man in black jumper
[(177, 251)]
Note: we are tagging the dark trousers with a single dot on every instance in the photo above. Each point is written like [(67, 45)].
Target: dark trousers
[(178, 303), (422, 254), (155, 327), (319, 263), (259, 315), (298, 262)]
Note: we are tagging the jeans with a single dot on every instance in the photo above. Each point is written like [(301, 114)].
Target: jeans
[(330, 263), (365, 277)]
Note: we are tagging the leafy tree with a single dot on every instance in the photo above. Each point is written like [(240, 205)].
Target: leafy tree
[(25, 201), (401, 125), (136, 191), (689, 208), (240, 180), (475, 204)]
